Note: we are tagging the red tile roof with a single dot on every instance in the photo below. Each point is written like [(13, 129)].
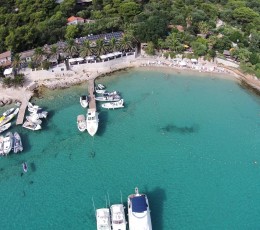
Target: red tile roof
[(73, 18), (5, 54)]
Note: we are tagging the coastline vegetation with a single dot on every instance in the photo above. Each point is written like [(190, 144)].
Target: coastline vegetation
[(206, 28)]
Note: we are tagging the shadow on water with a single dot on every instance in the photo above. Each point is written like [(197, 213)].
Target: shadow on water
[(103, 119), (156, 198), (171, 128), (33, 166), (26, 143)]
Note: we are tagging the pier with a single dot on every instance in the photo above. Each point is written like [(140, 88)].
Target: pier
[(91, 90), (22, 110)]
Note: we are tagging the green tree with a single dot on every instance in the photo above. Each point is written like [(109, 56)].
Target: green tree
[(71, 48), (113, 44), (100, 47), (244, 15), (38, 56), (71, 31), (85, 49), (16, 62), (129, 9), (150, 49)]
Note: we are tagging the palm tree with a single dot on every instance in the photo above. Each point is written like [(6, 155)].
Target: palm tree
[(113, 44), (54, 52), (16, 63), (85, 49), (125, 43), (100, 47), (38, 56), (71, 48)]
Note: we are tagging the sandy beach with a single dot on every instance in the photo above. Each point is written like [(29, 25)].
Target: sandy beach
[(58, 78)]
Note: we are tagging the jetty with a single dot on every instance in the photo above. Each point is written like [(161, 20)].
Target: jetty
[(22, 110), (91, 90)]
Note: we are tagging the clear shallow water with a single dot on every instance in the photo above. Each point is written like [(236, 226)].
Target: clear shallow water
[(191, 143)]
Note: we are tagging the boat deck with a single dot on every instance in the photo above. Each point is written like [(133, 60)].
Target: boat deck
[(91, 90), (22, 111)]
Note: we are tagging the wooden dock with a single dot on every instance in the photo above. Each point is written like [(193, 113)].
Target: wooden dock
[(91, 90), (22, 110)]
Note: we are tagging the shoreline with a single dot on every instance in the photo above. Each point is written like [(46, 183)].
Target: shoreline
[(84, 72)]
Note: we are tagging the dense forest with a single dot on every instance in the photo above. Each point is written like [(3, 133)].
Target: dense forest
[(27, 24)]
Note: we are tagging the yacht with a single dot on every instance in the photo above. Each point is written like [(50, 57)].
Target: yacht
[(40, 113), (31, 126), (139, 212), (84, 101), (9, 117), (8, 143), (33, 108), (1, 145), (92, 122), (82, 124), (5, 127), (118, 217), (114, 105), (108, 98), (103, 219), (34, 119), (100, 91), (17, 145)]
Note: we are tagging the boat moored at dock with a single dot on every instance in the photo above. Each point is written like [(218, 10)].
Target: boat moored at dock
[(5, 127), (31, 126), (81, 122), (92, 121), (108, 98), (118, 217), (17, 143), (84, 101), (8, 143), (139, 212), (103, 219), (114, 105), (9, 117)]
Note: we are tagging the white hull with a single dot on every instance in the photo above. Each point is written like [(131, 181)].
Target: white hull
[(8, 143), (108, 98), (8, 112), (9, 117), (81, 122), (84, 101), (18, 146), (5, 127), (1, 145), (92, 122), (103, 219), (100, 86), (118, 217), (114, 105), (34, 119), (33, 108), (139, 212), (31, 126)]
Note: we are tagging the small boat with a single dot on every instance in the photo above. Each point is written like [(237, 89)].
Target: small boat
[(1, 145), (114, 105), (100, 91), (40, 113), (108, 98), (8, 143), (113, 93), (118, 217), (33, 108), (17, 145), (31, 126), (82, 124), (5, 127), (84, 101), (92, 122), (25, 167), (34, 119), (100, 86), (103, 219), (8, 112), (139, 212), (9, 117)]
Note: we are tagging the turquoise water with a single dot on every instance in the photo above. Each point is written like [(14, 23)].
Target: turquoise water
[(190, 143)]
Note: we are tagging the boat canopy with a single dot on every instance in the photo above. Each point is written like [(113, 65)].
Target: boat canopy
[(139, 204)]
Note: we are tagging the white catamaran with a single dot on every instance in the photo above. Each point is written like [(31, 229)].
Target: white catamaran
[(103, 219), (139, 212)]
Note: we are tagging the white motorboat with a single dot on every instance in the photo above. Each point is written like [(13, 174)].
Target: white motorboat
[(8, 112), (31, 126), (9, 117), (84, 101), (40, 113), (100, 86), (139, 212), (17, 143), (1, 145), (100, 91), (25, 167), (92, 121), (114, 105), (33, 108), (8, 143), (103, 219), (108, 98), (82, 124), (113, 93), (5, 127), (118, 217), (34, 119)]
